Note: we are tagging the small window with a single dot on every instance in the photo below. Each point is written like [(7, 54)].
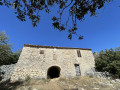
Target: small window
[(54, 50), (41, 51), (78, 53), (77, 68), (54, 57)]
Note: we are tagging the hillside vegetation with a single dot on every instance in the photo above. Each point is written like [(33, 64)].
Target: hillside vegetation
[(7, 56), (109, 61), (78, 83)]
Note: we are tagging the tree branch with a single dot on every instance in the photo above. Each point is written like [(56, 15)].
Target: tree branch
[(66, 7)]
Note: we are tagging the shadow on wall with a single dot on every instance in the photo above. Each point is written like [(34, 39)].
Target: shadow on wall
[(7, 85)]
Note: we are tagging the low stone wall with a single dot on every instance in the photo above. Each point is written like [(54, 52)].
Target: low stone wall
[(6, 71), (93, 73)]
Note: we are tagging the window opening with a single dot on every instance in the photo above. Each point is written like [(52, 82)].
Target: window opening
[(41, 51), (77, 68), (78, 53), (54, 57)]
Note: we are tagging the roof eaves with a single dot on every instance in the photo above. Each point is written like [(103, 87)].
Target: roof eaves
[(40, 46)]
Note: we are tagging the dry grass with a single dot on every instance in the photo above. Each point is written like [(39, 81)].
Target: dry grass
[(78, 83)]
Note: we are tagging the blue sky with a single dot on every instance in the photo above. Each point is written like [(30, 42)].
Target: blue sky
[(102, 32)]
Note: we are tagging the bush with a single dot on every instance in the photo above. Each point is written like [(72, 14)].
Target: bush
[(27, 79), (109, 60), (7, 57)]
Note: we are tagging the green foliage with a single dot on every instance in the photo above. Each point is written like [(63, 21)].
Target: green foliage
[(27, 79), (77, 9), (109, 60), (5, 48), (6, 55)]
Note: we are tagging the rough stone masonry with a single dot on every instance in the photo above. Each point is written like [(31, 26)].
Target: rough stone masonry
[(38, 61)]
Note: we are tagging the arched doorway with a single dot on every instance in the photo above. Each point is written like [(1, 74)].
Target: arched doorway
[(53, 72)]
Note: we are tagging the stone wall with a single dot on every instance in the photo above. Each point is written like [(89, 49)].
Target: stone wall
[(6, 71), (32, 63)]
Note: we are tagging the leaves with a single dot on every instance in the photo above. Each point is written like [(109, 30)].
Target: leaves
[(70, 36), (55, 19), (6, 54), (80, 37), (1, 3), (77, 9), (109, 60), (56, 25)]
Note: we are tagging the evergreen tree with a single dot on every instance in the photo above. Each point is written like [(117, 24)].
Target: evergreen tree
[(5, 48), (109, 60), (6, 55)]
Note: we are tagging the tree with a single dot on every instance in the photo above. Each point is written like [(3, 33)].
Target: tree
[(76, 9), (14, 57), (5, 48), (6, 54), (109, 60)]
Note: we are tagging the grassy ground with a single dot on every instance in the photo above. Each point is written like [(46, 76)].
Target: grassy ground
[(78, 83)]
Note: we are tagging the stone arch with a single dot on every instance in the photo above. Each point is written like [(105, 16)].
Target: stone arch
[(53, 72)]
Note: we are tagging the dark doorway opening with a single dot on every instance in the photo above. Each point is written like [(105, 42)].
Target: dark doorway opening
[(53, 72)]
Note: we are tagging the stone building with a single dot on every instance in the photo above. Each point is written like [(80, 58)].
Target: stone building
[(38, 61)]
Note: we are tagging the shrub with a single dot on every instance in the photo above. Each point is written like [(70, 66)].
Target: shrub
[(109, 60)]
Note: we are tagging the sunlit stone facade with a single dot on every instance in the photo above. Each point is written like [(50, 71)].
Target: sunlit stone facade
[(38, 61)]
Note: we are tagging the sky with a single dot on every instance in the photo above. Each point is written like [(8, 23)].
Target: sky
[(102, 32)]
